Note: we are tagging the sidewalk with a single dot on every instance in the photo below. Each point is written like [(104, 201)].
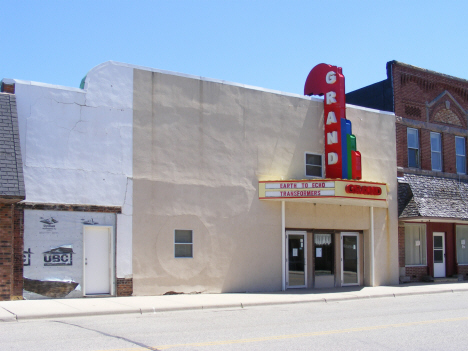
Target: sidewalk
[(11, 311)]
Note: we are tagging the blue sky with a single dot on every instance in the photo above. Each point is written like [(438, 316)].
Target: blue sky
[(270, 44)]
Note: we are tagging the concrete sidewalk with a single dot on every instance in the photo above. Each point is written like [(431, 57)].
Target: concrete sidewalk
[(58, 308)]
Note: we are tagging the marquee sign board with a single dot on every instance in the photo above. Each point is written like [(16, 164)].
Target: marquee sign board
[(309, 189), (342, 160)]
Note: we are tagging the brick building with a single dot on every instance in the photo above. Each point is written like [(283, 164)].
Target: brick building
[(431, 112), (11, 192)]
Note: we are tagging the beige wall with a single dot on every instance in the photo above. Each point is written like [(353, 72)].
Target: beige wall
[(200, 149)]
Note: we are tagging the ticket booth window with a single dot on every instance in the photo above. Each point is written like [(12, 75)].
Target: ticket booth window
[(323, 244)]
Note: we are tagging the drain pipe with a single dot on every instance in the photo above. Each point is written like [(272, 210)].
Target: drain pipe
[(372, 244), (283, 246)]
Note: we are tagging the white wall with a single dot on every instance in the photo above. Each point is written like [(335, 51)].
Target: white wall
[(77, 145), (201, 147)]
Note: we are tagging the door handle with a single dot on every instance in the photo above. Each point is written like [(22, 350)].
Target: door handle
[(86, 262)]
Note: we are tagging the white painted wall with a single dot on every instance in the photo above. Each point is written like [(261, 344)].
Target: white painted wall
[(77, 145)]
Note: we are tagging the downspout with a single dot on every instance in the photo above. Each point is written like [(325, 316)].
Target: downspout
[(390, 78), (283, 246), (372, 244)]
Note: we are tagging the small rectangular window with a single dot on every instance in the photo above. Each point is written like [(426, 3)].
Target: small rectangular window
[(313, 165), (415, 244), (460, 154), (413, 147), (183, 243), (436, 152)]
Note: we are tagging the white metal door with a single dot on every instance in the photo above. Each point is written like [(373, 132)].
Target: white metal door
[(98, 263), (439, 254)]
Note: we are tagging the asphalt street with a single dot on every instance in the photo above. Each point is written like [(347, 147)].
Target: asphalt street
[(417, 322)]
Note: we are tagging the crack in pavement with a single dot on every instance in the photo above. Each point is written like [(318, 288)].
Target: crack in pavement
[(111, 336), (13, 314)]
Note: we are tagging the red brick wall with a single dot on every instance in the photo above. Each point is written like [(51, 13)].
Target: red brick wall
[(463, 270), (416, 273), (425, 142), (6, 251), (401, 246), (401, 145), (18, 248), (124, 287), (413, 89), (448, 153)]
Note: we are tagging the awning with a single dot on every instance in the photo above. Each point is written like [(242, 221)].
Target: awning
[(422, 196)]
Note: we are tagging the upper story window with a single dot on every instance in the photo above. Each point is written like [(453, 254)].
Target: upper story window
[(436, 152), (313, 165), (413, 147), (460, 154)]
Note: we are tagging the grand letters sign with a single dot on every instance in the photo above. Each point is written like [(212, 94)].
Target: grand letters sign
[(306, 189), (342, 160)]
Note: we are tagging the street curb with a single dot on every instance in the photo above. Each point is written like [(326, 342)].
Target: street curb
[(153, 310), (431, 292)]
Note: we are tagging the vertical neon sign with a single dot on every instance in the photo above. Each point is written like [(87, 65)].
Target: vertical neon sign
[(342, 160)]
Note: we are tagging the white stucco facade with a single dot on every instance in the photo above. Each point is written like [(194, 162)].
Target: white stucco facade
[(77, 146), (201, 148)]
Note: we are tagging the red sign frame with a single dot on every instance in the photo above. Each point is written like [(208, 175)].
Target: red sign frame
[(342, 160)]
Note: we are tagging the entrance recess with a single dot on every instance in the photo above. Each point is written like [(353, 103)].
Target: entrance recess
[(349, 259), (296, 247), (439, 255), (324, 260), (98, 262)]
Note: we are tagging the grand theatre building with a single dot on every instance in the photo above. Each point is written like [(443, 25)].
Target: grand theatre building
[(187, 184), (231, 192)]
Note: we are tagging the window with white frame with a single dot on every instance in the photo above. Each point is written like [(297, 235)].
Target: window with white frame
[(415, 244), (460, 154), (313, 165), (183, 243), (413, 147), (436, 152), (462, 242)]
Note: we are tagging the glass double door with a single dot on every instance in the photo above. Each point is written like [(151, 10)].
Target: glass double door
[(349, 259), (296, 260)]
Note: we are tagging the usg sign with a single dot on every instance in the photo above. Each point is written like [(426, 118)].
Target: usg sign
[(64, 259), (59, 256)]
